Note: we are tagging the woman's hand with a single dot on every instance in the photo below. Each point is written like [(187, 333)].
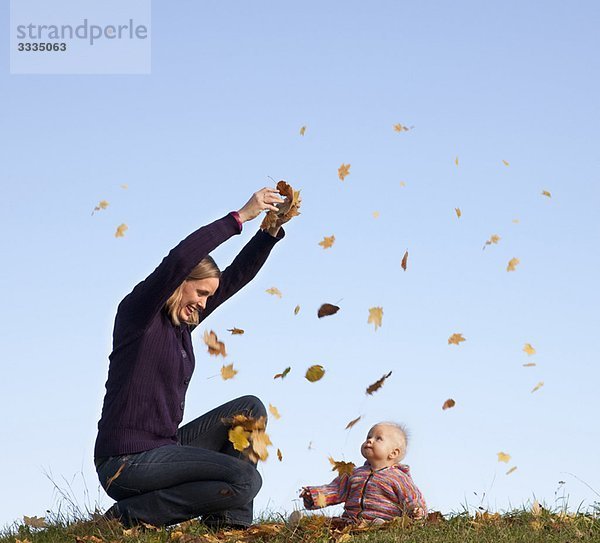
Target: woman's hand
[(264, 199)]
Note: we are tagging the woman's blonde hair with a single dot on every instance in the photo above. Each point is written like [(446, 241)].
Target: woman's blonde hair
[(205, 269)]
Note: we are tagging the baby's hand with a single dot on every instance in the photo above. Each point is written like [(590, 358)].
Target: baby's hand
[(306, 497)]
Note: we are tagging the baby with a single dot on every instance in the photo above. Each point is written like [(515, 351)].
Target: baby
[(381, 489)]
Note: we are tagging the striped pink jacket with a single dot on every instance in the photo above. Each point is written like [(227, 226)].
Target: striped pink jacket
[(367, 494)]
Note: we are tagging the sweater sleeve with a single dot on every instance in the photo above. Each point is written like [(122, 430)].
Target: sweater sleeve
[(243, 269), (331, 494), (148, 297), (410, 499)]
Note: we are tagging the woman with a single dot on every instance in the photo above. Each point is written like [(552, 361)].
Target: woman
[(160, 474)]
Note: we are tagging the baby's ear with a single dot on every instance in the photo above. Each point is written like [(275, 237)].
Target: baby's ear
[(395, 453)]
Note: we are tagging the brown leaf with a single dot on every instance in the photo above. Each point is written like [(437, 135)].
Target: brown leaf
[(296, 310), (302, 130), (327, 309), (279, 455), (286, 210), (455, 339), (404, 260), (377, 384), (449, 403), (235, 331), (352, 423), (511, 470), (341, 467), (117, 473), (215, 347), (458, 212)]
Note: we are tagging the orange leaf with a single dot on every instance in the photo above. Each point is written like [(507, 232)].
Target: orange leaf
[(404, 260), (121, 229), (455, 339), (343, 171), (342, 467), (227, 372), (458, 212), (327, 309), (327, 242), (449, 403), (377, 384), (303, 130), (512, 264), (274, 411), (503, 457), (235, 331), (215, 347)]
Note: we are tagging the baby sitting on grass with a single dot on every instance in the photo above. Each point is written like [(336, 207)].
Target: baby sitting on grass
[(381, 489)]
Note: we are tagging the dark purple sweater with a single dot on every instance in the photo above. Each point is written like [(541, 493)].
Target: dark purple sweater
[(152, 359)]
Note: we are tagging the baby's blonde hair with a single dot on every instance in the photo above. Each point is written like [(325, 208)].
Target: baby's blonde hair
[(402, 436)]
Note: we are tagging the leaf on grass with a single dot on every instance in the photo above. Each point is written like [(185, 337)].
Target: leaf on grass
[(375, 214), (117, 473), (235, 331), (458, 212), (327, 309), (35, 522), (404, 261), (377, 384), (286, 210), (343, 171), (528, 348), (121, 229), (315, 373), (327, 242), (505, 163), (538, 386), (273, 291), (512, 264), (215, 347), (352, 423), (503, 457), (546, 193), (279, 455), (455, 339), (227, 372), (375, 316), (302, 130), (341, 467), (494, 239), (529, 365), (449, 403), (274, 411), (296, 310), (282, 374), (511, 470), (102, 204)]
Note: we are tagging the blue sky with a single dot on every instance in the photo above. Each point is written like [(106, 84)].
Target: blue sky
[(231, 85)]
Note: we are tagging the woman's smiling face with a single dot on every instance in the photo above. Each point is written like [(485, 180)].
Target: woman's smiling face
[(195, 293)]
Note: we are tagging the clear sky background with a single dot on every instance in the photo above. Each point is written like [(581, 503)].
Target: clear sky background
[(231, 85)]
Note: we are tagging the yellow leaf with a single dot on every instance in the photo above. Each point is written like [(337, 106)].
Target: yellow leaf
[(511, 470), (327, 242), (529, 349), (455, 339), (503, 457), (456, 160), (103, 204), (282, 374), (315, 373), (375, 214), (279, 455), (505, 163), (273, 410), (320, 501), (512, 264), (377, 384), (121, 229), (546, 193), (274, 292), (239, 437), (538, 386), (296, 310), (341, 467), (375, 316), (449, 403), (458, 212), (529, 365), (402, 184), (215, 347), (302, 130), (227, 372), (516, 221), (260, 442), (343, 171), (494, 239), (235, 331), (352, 423)]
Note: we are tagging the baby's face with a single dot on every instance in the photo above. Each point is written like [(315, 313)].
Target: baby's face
[(381, 442)]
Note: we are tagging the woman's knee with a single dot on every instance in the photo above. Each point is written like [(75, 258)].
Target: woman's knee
[(254, 405)]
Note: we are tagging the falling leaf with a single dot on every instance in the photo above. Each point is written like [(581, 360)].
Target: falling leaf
[(546, 193), (239, 437), (327, 242), (401, 128), (227, 372), (279, 455), (375, 214), (511, 470), (404, 260), (320, 500), (402, 184), (375, 316), (315, 373), (343, 171), (529, 365), (342, 467), (455, 339), (505, 163), (303, 130), (103, 204), (118, 472), (282, 374), (286, 210), (124, 186), (215, 347), (494, 239), (456, 160), (260, 442), (273, 410), (327, 309), (458, 212), (449, 403), (121, 229), (538, 386), (296, 310), (503, 457), (377, 384), (528, 348), (274, 292), (235, 331), (512, 264), (516, 221), (352, 423)]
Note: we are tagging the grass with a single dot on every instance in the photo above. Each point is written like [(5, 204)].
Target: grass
[(516, 526)]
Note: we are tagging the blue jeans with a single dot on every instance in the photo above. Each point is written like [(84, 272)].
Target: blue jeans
[(202, 475)]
